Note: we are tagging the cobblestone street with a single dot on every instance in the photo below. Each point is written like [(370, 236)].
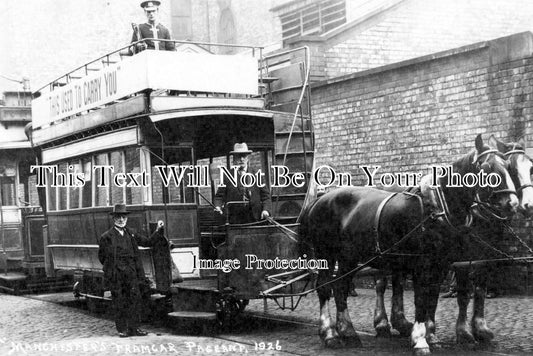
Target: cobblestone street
[(510, 318), (31, 326), (56, 324)]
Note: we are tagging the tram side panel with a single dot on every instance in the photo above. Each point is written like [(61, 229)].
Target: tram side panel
[(261, 251)]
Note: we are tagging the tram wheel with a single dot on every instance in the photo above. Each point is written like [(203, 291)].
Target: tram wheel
[(228, 308)]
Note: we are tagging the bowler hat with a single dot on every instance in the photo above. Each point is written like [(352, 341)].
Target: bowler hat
[(241, 148), (150, 5), (119, 209)]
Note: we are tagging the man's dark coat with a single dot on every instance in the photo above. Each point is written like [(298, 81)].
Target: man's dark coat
[(259, 199)]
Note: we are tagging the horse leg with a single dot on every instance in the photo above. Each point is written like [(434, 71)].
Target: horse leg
[(463, 336), (418, 335), (326, 327), (432, 299), (398, 320), (381, 322), (344, 323), (480, 330)]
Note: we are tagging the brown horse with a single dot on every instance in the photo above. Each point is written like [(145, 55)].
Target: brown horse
[(354, 224), (520, 168)]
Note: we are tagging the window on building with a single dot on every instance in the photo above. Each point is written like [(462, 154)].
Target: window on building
[(313, 19)]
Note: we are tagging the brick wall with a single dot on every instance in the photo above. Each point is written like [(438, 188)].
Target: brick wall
[(410, 115), (413, 28), (420, 27)]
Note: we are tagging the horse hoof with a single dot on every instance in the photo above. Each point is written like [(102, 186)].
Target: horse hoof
[(383, 331), (334, 343), (404, 328), (465, 338), (484, 336), (382, 328), (421, 351), (433, 340), (481, 331)]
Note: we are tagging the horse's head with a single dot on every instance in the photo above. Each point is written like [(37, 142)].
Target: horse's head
[(503, 196), (520, 168)]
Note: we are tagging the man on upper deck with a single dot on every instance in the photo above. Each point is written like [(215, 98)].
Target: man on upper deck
[(151, 29)]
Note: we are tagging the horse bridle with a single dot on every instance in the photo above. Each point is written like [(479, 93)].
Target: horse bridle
[(485, 207), (518, 151)]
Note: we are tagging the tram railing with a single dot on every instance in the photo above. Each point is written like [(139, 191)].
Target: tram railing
[(125, 51)]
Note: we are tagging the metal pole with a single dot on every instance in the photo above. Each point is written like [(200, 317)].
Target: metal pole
[(3, 231)]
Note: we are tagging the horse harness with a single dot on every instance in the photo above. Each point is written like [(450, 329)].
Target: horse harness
[(377, 218), (518, 150), (434, 206)]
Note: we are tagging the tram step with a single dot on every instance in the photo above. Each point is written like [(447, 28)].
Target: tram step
[(196, 315), (295, 132), (269, 79), (194, 322), (294, 153)]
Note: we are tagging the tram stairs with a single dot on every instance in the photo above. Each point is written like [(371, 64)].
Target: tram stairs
[(288, 94)]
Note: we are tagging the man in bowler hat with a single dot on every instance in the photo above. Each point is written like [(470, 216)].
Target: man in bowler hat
[(257, 202), (151, 29), (123, 270)]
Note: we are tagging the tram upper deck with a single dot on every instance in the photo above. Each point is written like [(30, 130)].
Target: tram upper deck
[(115, 86)]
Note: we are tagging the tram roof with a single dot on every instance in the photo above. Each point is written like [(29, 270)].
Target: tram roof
[(223, 80)]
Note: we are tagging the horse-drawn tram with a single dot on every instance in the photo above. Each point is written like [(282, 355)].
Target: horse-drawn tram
[(151, 131)]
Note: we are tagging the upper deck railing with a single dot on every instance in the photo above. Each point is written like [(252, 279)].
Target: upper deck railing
[(118, 75)]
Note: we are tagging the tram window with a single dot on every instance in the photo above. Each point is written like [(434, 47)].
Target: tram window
[(87, 188), (12, 239), (257, 162), (62, 168), (133, 162), (8, 190), (74, 192), (173, 193), (157, 186), (117, 161), (8, 178), (51, 193), (33, 196), (204, 193), (27, 183), (101, 193)]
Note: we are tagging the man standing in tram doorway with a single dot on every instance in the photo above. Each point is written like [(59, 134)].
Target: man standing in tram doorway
[(123, 270), (151, 29), (256, 200)]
